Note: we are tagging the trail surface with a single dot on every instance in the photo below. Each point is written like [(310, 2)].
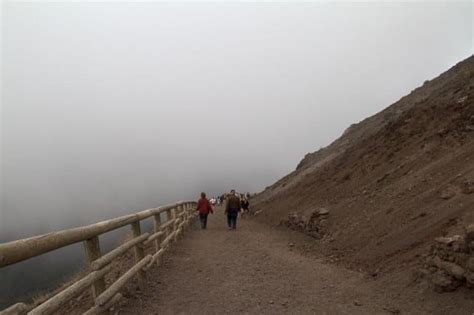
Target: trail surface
[(251, 270)]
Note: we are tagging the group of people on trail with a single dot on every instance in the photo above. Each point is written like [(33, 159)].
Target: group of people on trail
[(219, 200), (234, 204)]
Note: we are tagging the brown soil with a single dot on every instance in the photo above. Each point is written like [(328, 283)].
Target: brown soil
[(260, 270)]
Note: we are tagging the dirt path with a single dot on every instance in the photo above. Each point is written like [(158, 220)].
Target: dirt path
[(252, 270)]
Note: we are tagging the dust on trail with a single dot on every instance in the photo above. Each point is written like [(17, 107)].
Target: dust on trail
[(251, 270)]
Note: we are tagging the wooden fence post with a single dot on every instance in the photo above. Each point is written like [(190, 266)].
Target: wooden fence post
[(186, 216), (92, 248), (169, 229), (139, 255), (191, 214), (157, 228), (174, 215)]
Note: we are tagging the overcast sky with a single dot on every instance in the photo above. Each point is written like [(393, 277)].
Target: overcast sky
[(114, 107)]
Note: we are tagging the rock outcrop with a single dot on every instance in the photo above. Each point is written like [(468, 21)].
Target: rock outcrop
[(310, 222), (450, 263)]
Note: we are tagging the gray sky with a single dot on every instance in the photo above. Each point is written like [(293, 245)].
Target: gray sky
[(112, 107)]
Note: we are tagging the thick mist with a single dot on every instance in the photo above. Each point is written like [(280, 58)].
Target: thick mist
[(111, 107)]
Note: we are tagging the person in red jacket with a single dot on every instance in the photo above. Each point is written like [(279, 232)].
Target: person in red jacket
[(204, 207)]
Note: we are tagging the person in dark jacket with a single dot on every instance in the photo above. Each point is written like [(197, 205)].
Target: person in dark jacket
[(204, 207), (232, 209), (245, 206)]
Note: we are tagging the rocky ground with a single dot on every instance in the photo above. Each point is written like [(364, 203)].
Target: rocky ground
[(450, 263)]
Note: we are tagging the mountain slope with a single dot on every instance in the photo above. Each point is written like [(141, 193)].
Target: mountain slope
[(392, 182)]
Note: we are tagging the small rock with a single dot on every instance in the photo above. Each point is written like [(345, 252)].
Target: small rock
[(447, 194), (432, 269), (462, 99), (470, 264), (443, 282), (441, 279), (323, 211), (392, 309), (471, 246), (467, 187), (448, 240), (459, 246), (470, 279), (271, 302), (470, 233), (291, 244), (454, 270), (357, 303), (422, 272)]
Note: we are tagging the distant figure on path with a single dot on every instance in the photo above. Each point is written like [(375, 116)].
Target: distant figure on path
[(232, 209), (245, 206), (204, 207)]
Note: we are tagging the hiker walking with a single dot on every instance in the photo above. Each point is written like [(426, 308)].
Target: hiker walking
[(232, 209), (204, 207), (245, 206)]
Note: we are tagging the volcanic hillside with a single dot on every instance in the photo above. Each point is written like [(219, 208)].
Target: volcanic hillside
[(391, 183)]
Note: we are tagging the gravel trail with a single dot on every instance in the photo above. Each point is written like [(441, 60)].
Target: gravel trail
[(254, 270)]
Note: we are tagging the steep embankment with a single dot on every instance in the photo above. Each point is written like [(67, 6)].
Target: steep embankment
[(391, 183)]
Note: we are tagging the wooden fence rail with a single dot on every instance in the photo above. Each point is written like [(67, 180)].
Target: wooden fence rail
[(178, 216)]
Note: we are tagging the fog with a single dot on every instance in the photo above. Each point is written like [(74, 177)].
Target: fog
[(109, 108)]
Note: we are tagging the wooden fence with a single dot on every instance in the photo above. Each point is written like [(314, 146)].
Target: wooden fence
[(178, 217)]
